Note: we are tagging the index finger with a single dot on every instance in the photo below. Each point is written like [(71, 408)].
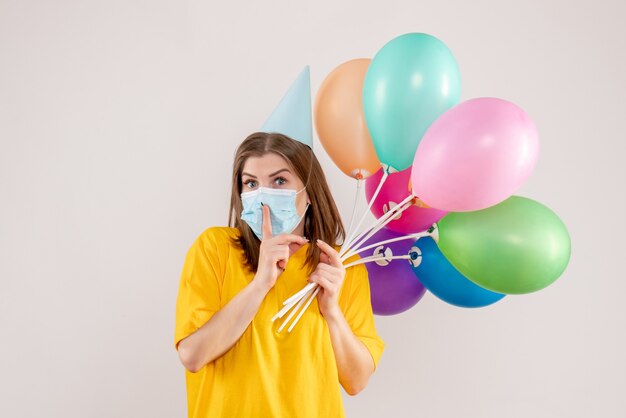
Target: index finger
[(332, 254), (267, 223), (289, 238)]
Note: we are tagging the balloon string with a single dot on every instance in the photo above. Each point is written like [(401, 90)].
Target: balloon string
[(299, 298), (387, 217), (414, 236), (296, 296), (293, 312), (380, 223), (348, 241), (308, 302), (300, 293), (359, 182), (376, 258)]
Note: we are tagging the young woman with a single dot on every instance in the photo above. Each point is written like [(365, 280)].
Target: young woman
[(284, 233)]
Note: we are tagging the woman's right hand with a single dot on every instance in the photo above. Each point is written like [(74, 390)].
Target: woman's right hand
[(274, 252)]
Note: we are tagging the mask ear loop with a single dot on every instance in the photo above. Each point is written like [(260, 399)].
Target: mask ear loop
[(308, 203)]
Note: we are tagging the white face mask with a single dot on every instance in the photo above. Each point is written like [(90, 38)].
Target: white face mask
[(283, 214)]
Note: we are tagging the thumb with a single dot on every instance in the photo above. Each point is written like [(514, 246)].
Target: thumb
[(293, 247)]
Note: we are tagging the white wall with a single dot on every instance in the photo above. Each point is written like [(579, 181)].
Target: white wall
[(118, 123)]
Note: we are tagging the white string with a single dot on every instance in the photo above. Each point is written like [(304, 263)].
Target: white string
[(299, 297), (348, 240), (380, 223), (300, 293), (308, 302), (286, 321), (377, 258), (359, 182), (391, 213), (414, 236), (397, 210), (285, 309)]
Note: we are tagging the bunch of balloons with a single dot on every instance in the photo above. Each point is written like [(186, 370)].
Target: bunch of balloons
[(439, 177)]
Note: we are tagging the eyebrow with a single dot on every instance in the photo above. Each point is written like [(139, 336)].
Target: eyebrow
[(271, 175)]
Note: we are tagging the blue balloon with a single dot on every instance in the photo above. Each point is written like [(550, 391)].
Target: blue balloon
[(444, 281)]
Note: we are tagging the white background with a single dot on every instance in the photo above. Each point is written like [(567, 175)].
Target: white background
[(118, 124)]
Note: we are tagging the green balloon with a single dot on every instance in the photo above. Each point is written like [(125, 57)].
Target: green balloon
[(517, 246)]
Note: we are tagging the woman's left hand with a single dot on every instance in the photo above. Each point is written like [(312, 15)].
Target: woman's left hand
[(329, 274)]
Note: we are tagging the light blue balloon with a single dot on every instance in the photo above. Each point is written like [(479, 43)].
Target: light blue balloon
[(444, 281), (410, 82)]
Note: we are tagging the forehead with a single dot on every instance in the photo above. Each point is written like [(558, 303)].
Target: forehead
[(265, 165)]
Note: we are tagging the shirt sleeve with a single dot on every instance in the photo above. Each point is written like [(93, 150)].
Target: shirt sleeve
[(199, 290), (357, 309)]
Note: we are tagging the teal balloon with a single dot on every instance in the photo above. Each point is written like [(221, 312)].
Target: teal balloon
[(410, 82), (517, 246)]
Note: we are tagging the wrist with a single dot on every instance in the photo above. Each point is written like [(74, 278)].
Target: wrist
[(333, 314), (260, 284)]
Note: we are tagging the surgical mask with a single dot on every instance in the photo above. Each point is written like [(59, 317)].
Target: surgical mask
[(283, 214)]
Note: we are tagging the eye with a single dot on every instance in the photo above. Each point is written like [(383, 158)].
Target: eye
[(280, 181), (250, 184)]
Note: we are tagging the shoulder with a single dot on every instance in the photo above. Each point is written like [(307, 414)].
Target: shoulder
[(219, 234), (217, 239)]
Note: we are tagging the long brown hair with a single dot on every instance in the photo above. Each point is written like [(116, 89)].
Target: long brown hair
[(322, 220)]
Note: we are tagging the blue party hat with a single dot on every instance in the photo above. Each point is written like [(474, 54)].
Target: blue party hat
[(292, 116)]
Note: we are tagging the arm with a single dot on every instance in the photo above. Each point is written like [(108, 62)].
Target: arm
[(223, 330), (354, 361)]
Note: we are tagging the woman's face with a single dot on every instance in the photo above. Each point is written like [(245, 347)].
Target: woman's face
[(271, 170)]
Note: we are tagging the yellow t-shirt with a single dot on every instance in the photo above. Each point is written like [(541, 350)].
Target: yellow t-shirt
[(266, 373)]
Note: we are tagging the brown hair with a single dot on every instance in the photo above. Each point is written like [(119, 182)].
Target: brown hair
[(322, 220)]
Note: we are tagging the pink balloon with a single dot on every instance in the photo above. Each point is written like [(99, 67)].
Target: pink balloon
[(395, 190), (475, 155)]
